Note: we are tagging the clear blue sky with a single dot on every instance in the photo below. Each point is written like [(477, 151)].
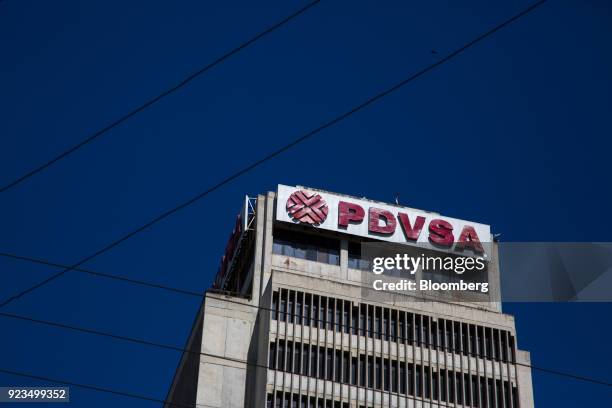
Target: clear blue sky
[(514, 133)]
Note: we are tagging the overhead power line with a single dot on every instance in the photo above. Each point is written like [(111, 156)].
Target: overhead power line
[(157, 98), (341, 326), (125, 279), (102, 274), (279, 151), (98, 388)]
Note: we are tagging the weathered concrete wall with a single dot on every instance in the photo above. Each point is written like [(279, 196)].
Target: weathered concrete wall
[(227, 333), (185, 383), (525, 385)]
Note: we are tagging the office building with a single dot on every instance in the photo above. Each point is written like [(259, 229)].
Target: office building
[(292, 321)]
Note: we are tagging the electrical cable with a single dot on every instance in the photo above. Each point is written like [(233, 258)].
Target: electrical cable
[(136, 281), (277, 152), (372, 333), (97, 388), (156, 99), (40, 261)]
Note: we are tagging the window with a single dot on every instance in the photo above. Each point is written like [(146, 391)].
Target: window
[(459, 387), (466, 390), (339, 315), (443, 387), (362, 319), (306, 246), (370, 328), (488, 342), (289, 360), (345, 316), (394, 325), (456, 337), (386, 371), (305, 359), (385, 323), (378, 322), (419, 332), (354, 257), (298, 307), (313, 361), (496, 352), (434, 334), (483, 392), (362, 370), (321, 363), (402, 387), (507, 394), (464, 338), (274, 311), (281, 355), (338, 373), (411, 379), (283, 305), (410, 327), (475, 391), (322, 307), (441, 334), (315, 310), (272, 357), (434, 386), (307, 309), (448, 329), (290, 311), (330, 313), (297, 365), (394, 376), (370, 372), (427, 378), (346, 369), (419, 382), (451, 386), (378, 369), (472, 340)]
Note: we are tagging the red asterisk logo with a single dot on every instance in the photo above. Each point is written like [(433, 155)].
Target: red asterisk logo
[(307, 208)]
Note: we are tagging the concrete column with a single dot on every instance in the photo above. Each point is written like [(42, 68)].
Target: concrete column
[(263, 254), (258, 286), (344, 259)]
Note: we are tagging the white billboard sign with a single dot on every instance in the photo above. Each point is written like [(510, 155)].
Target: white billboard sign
[(385, 222)]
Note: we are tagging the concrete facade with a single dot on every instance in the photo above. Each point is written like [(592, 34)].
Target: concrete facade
[(427, 352)]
